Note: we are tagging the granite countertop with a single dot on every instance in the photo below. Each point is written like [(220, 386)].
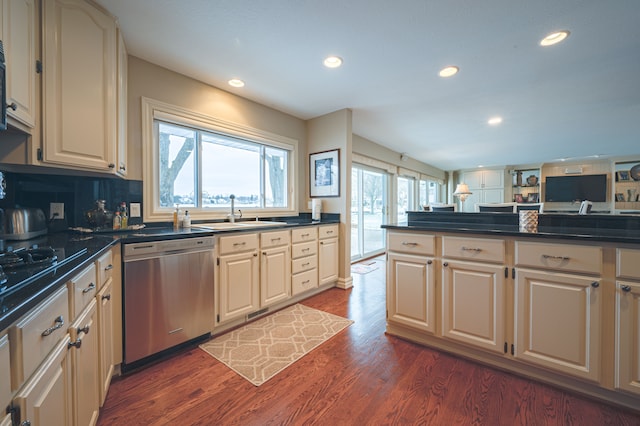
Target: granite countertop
[(16, 304), (600, 228)]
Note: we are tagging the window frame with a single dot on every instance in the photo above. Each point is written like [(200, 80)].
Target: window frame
[(156, 110)]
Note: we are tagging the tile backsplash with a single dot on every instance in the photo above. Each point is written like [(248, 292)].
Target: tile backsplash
[(78, 193)]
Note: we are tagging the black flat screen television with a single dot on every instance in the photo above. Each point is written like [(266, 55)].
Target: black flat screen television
[(576, 188)]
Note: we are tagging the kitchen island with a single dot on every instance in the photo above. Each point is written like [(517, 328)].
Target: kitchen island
[(560, 305)]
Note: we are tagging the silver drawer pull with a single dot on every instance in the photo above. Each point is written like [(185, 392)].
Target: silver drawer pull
[(239, 244), (59, 322), (76, 344), (108, 267), (548, 256), (305, 235), (329, 232), (84, 329), (306, 264), (106, 297), (276, 239), (626, 288), (89, 288), (306, 281), (476, 249), (408, 243), (306, 249)]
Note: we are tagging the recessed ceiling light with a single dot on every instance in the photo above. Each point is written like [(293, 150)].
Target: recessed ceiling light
[(494, 121), (332, 61), (236, 82), (448, 71), (554, 38)]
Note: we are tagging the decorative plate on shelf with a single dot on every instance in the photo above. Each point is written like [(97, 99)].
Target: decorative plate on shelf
[(635, 172)]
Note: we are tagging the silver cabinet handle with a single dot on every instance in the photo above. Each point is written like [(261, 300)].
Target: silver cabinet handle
[(106, 297), (595, 284), (239, 244), (13, 106), (626, 288), (329, 232), (477, 250), (84, 329), (275, 239), (76, 344), (306, 281), (59, 322), (429, 262), (408, 243), (306, 264), (548, 256), (89, 288), (108, 267)]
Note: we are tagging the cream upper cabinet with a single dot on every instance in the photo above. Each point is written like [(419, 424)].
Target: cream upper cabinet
[(487, 186), (20, 31), (627, 321), (122, 107), (79, 86), (557, 310), (238, 276), (328, 252), (275, 267)]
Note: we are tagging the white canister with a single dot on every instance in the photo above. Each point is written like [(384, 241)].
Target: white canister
[(528, 220), (316, 209)]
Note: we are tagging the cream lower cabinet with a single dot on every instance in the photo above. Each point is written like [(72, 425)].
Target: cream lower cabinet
[(473, 292), (557, 312), (46, 398), (328, 254), (275, 267), (5, 385), (627, 321), (105, 322), (411, 280), (304, 263), (85, 366), (238, 276)]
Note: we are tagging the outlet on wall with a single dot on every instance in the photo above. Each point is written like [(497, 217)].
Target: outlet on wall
[(56, 210), (134, 210)]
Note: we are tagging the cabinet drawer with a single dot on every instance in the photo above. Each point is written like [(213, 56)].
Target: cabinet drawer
[(274, 239), (5, 385), (628, 264), (561, 257), (411, 243), (33, 337), (304, 281), (105, 266), (299, 235), (479, 249), (304, 249), (328, 231), (238, 243), (82, 289), (304, 264)]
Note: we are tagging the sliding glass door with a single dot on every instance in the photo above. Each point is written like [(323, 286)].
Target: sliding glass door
[(369, 206)]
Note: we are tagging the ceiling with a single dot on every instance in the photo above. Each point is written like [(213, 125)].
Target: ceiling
[(574, 100)]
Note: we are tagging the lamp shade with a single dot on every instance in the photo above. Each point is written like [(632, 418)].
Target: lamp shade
[(462, 191)]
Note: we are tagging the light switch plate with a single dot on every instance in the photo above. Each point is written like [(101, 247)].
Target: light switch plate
[(134, 209), (56, 210)]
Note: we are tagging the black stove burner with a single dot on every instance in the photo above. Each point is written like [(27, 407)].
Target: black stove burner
[(28, 258)]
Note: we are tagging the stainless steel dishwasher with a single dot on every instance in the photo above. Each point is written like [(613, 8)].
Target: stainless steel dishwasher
[(168, 295)]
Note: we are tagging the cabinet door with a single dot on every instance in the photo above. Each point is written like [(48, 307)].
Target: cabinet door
[(328, 260), (19, 37), (239, 291), (411, 291), (473, 304), (79, 85), (628, 337), (275, 275), (84, 335), (558, 322), (105, 332), (493, 179), (46, 399), (5, 383), (122, 106)]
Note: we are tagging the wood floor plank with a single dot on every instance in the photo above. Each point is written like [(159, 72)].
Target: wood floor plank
[(359, 377)]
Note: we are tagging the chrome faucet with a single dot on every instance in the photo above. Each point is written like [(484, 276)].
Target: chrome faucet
[(232, 215)]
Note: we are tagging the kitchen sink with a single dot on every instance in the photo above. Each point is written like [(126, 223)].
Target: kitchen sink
[(219, 226)]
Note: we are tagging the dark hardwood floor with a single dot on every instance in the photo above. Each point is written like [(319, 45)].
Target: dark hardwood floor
[(360, 377)]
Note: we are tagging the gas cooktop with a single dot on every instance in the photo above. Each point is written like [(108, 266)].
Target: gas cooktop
[(20, 267)]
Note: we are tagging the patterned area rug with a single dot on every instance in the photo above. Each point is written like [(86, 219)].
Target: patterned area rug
[(261, 349)]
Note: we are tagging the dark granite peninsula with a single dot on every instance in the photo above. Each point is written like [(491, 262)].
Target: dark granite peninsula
[(560, 305)]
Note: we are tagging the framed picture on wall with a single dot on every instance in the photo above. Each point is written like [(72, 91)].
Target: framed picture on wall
[(622, 175), (324, 174), (519, 198)]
